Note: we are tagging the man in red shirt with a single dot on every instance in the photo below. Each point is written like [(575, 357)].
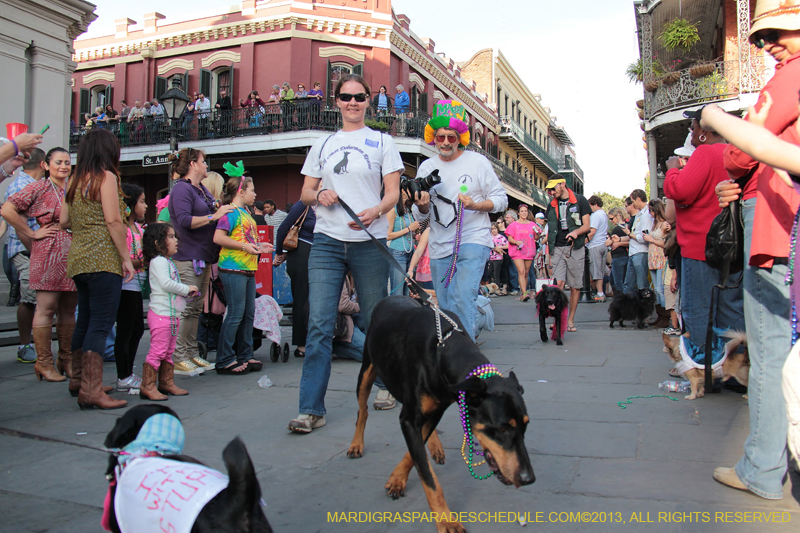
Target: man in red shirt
[(768, 210)]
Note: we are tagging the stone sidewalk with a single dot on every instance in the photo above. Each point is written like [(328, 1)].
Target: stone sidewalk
[(648, 465)]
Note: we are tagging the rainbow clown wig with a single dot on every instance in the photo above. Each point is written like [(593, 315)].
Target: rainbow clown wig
[(448, 114)]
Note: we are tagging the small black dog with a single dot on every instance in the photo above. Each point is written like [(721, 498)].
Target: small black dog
[(236, 509), (552, 302), (638, 306)]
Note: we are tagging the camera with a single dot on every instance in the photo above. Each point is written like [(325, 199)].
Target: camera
[(415, 185)]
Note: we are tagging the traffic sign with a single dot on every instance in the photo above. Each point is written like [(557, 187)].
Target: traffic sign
[(154, 160)]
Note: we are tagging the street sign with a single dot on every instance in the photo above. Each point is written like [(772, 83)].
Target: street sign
[(154, 160)]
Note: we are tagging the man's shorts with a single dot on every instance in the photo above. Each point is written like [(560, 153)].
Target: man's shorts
[(569, 268), (670, 298), (23, 264), (597, 262)]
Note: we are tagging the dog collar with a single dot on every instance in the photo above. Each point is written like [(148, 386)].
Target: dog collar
[(481, 372)]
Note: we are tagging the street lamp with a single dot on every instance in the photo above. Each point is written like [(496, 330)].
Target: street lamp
[(174, 102)]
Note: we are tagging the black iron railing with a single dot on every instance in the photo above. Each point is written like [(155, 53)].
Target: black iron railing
[(296, 115)]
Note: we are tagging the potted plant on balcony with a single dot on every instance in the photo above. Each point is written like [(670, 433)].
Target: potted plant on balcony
[(700, 70), (651, 86), (679, 33), (640, 104), (635, 71)]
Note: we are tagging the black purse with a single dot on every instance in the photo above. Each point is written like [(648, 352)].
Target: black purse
[(725, 242)]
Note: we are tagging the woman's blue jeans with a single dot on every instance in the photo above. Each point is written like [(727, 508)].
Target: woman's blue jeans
[(397, 281), (769, 337), (98, 300), (658, 285), (619, 267), (328, 263), (237, 327)]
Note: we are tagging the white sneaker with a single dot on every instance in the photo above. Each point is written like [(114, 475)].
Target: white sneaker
[(131, 382), (200, 362), (304, 423), (188, 368), (384, 401)]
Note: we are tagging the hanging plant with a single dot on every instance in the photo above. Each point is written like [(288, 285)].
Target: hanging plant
[(679, 33), (671, 78), (640, 104), (651, 86), (698, 71), (635, 71)]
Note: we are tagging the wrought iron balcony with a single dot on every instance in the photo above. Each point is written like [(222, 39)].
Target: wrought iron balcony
[(570, 165), (513, 179), (695, 85), (297, 115), (513, 134)]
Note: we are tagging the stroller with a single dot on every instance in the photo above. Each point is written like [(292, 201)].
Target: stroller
[(210, 322)]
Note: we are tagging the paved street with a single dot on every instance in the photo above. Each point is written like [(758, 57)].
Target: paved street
[(651, 461)]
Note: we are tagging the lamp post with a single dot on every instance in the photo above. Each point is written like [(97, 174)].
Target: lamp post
[(174, 102)]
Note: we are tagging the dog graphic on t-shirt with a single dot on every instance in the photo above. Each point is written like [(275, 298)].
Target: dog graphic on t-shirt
[(341, 166)]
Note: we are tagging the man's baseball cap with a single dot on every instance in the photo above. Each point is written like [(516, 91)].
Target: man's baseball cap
[(552, 182), (540, 215), (693, 113), (260, 205)]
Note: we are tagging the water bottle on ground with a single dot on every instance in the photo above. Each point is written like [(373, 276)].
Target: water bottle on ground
[(675, 386)]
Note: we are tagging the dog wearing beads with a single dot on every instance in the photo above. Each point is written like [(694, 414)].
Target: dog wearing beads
[(427, 368)]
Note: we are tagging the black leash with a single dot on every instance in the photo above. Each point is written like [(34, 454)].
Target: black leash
[(413, 286)]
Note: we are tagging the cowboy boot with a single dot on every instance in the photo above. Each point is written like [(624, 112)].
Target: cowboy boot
[(42, 340), (91, 394), (64, 362), (166, 380), (663, 320), (75, 379), (149, 390), (658, 315)]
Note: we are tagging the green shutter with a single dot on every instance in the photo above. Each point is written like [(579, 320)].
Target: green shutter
[(160, 88), (328, 88), (86, 103), (205, 82)]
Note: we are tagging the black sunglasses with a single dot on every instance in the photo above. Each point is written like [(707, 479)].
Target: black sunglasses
[(346, 97), (763, 39)]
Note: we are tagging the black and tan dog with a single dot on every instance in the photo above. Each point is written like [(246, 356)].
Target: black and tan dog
[(236, 509), (401, 348)]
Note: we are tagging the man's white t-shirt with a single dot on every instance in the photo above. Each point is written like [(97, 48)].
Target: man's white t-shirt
[(641, 222), (352, 163), (599, 221), (472, 175)]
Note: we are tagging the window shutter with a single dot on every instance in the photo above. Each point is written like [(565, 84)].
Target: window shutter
[(109, 95), (160, 88), (414, 96), (86, 102), (205, 82), (185, 82), (358, 68), (328, 88), (423, 103), (231, 86)]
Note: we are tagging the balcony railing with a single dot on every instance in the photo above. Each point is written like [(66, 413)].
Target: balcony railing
[(511, 178), (723, 81), (510, 126), (297, 115), (572, 167)]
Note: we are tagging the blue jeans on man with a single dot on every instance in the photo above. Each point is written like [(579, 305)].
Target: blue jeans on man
[(636, 274), (328, 263), (766, 312), (619, 268), (697, 279), (461, 295), (237, 327)]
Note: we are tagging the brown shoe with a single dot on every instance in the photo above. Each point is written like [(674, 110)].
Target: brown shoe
[(42, 341), (166, 380), (91, 394), (728, 476), (75, 379), (64, 361), (149, 390)]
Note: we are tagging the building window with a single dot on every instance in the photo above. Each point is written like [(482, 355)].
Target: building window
[(335, 73), (506, 105), (507, 159)]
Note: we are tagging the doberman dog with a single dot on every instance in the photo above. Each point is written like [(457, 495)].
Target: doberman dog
[(401, 348)]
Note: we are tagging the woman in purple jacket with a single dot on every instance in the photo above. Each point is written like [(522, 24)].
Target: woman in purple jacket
[(194, 212)]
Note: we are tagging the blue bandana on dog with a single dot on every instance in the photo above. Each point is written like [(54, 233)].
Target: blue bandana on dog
[(161, 434)]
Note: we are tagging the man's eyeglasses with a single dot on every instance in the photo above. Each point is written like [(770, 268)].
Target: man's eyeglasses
[(346, 97), (763, 39), (449, 137)]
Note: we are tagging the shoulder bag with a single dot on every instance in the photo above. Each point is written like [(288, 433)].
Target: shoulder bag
[(293, 235)]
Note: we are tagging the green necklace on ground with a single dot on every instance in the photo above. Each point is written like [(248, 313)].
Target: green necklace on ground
[(628, 401)]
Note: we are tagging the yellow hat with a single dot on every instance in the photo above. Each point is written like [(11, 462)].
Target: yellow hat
[(552, 182), (775, 15)]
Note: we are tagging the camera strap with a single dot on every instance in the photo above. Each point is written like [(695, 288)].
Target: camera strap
[(413, 286), (446, 200)]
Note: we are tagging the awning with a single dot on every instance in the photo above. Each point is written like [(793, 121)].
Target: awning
[(519, 195)]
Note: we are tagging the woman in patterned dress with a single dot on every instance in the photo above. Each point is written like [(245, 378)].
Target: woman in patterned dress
[(49, 247), (98, 260)]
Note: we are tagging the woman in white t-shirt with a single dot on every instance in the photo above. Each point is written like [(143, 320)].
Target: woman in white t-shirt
[(352, 164)]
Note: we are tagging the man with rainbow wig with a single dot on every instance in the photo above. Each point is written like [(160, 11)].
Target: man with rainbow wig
[(461, 237)]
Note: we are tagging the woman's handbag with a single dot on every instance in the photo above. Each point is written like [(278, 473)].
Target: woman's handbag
[(293, 235), (725, 241)]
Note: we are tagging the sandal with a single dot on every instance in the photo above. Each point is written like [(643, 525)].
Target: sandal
[(298, 353), (231, 370), (254, 365), (572, 328)]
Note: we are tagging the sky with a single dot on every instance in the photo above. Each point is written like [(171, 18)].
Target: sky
[(572, 53)]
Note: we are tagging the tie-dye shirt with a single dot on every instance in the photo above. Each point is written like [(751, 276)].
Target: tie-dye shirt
[(240, 227)]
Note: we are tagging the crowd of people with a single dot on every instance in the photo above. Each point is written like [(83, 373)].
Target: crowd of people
[(80, 250)]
